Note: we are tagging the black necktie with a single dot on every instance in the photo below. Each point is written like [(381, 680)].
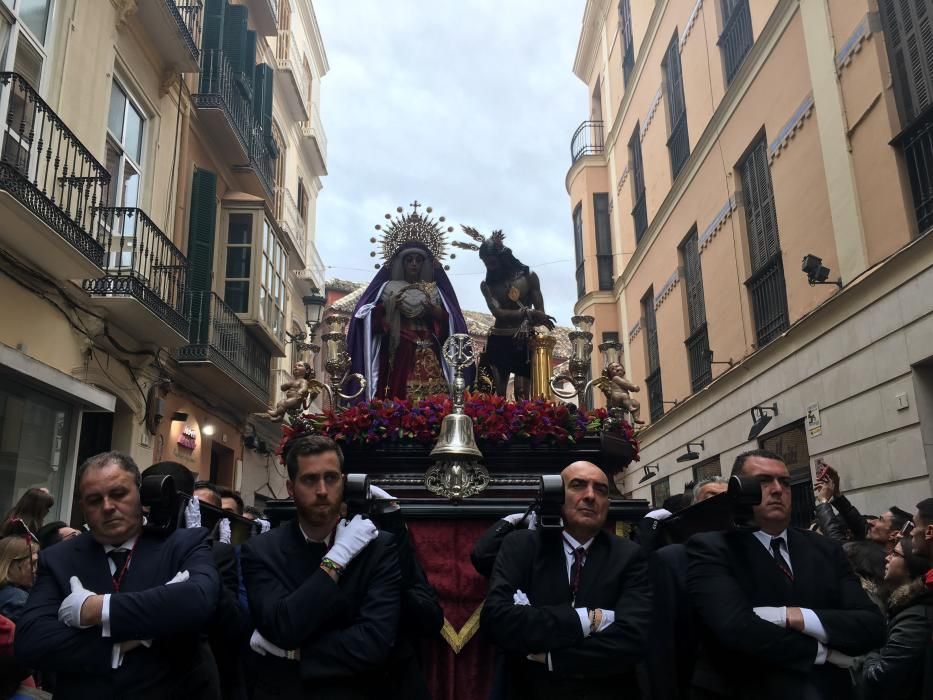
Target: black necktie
[(118, 557), (576, 571), (776, 543), (316, 550)]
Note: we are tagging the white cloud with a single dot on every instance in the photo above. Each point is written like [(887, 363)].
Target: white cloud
[(468, 107)]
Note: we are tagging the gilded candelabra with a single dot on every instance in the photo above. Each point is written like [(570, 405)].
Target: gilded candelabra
[(337, 360)]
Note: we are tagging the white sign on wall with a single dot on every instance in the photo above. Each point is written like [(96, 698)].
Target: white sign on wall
[(814, 422)]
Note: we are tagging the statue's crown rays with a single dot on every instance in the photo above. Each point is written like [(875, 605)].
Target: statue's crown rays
[(416, 226)]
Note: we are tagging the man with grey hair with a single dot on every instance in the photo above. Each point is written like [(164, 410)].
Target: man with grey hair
[(707, 488), (117, 612)]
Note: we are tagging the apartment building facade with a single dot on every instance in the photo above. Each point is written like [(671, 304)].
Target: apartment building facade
[(160, 166), (726, 140)]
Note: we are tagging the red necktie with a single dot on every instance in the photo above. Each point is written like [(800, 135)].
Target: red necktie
[(576, 571), (776, 543)]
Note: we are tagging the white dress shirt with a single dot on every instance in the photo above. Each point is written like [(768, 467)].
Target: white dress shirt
[(116, 657), (812, 627)]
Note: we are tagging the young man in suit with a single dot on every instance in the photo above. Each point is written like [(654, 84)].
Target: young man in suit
[(776, 603), (324, 592), (572, 608), (117, 612)]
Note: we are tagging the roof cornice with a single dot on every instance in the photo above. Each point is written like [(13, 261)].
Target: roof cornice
[(593, 17)]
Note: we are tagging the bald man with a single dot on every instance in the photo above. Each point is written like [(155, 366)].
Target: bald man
[(571, 608)]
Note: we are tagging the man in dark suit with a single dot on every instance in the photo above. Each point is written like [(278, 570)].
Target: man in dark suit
[(324, 592), (571, 607), (116, 613), (776, 603)]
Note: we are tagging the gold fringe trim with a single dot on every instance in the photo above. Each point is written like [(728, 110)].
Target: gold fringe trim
[(458, 640)]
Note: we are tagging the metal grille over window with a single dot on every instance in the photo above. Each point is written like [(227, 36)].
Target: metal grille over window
[(653, 380), (697, 343), (908, 29), (736, 39), (766, 284), (640, 210), (603, 240), (578, 248), (628, 50), (678, 141)]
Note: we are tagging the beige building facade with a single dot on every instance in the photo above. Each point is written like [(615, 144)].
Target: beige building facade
[(726, 140), (161, 162)]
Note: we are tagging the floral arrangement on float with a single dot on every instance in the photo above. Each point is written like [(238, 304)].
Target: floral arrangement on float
[(495, 420)]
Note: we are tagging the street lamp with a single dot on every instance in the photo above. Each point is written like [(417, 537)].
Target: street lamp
[(314, 308)]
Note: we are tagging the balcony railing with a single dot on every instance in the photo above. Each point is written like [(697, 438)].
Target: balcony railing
[(220, 337), (188, 17), (140, 261), (655, 395), (262, 160), (291, 220), (678, 144), (314, 269), (736, 39), (701, 371), (916, 143), (49, 171), (587, 140), (640, 216), (288, 59), (769, 300), (314, 129), (219, 89)]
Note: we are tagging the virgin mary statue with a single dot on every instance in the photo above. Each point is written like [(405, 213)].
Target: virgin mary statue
[(406, 313)]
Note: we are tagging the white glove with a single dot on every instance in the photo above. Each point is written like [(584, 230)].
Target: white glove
[(609, 616), (515, 520), (837, 658), (180, 577), (351, 538), (659, 514), (69, 612), (263, 646), (519, 598), (776, 616), (264, 525), (385, 502), (223, 531), (193, 513)]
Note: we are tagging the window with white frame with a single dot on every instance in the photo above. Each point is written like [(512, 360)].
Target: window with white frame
[(272, 282), (125, 124), (239, 261)]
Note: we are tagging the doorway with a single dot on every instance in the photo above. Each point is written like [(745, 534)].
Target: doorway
[(222, 465), (791, 444)]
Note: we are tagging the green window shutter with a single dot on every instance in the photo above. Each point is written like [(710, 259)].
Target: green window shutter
[(249, 60), (234, 37), (212, 33), (201, 230), (262, 101)]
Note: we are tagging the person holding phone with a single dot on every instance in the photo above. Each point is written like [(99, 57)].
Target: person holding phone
[(323, 591)]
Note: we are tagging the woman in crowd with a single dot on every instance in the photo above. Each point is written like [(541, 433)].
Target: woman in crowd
[(31, 509), (895, 672), (18, 558)]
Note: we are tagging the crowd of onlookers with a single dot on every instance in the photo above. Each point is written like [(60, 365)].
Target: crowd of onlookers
[(335, 605)]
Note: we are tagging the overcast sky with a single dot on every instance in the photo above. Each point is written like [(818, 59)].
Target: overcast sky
[(466, 106)]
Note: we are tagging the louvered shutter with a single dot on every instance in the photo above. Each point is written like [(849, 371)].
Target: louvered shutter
[(760, 213), (696, 306), (262, 98), (201, 230), (908, 28), (628, 51), (234, 42), (249, 60), (634, 149), (212, 32)]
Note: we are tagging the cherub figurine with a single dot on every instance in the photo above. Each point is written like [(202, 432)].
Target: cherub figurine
[(299, 393), (616, 388)]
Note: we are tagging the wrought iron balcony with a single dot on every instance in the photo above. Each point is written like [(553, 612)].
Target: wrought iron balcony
[(50, 187), (587, 140), (655, 395), (226, 111), (916, 143), (769, 300), (145, 277), (736, 39), (292, 222), (174, 26), (291, 65), (261, 164), (223, 355), (701, 371), (316, 139)]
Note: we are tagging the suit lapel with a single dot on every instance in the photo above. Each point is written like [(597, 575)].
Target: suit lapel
[(804, 568), (551, 583), (767, 582), (93, 565)]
